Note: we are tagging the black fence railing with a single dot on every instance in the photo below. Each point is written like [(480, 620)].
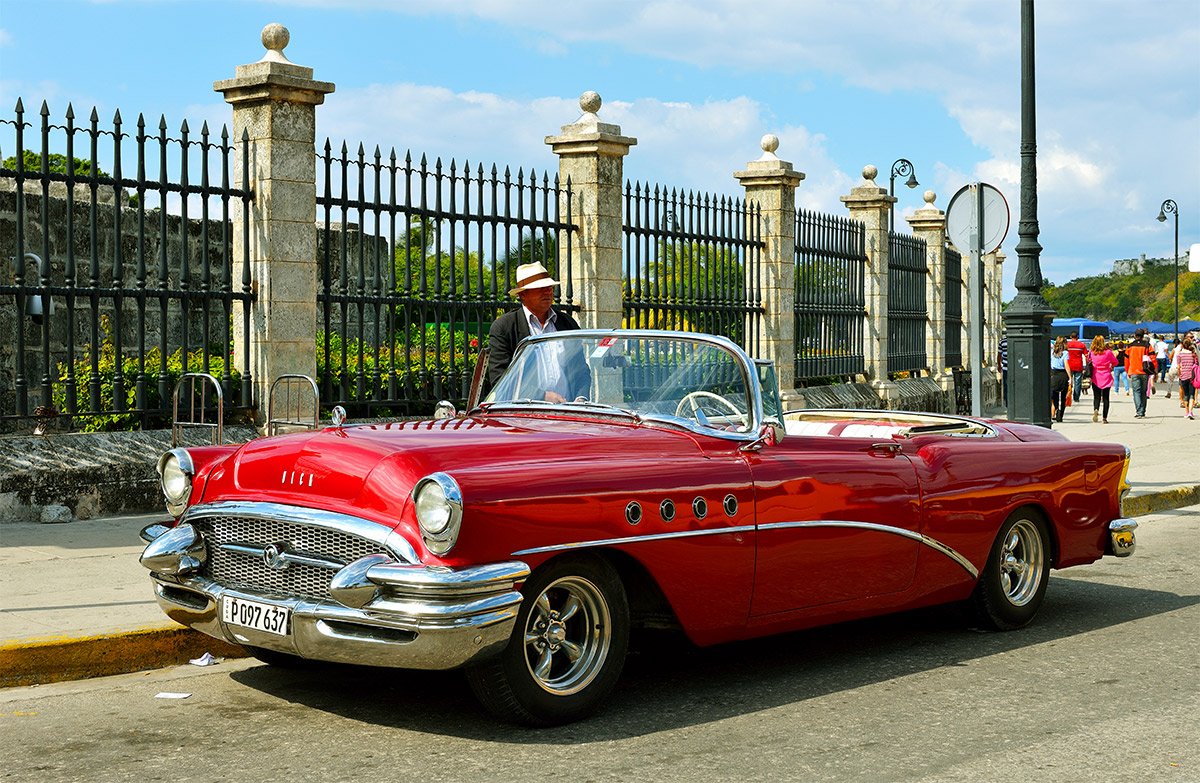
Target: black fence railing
[(116, 284), (416, 263), (954, 313), (907, 317), (830, 296), (692, 262)]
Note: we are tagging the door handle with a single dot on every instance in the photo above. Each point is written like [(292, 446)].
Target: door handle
[(885, 449)]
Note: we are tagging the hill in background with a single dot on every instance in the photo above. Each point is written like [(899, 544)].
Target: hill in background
[(1138, 289)]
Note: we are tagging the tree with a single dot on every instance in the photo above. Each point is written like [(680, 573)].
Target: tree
[(57, 164)]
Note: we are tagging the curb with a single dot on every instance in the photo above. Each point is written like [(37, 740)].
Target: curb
[(57, 659), (1163, 500)]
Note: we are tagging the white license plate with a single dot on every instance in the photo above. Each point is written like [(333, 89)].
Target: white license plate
[(252, 614)]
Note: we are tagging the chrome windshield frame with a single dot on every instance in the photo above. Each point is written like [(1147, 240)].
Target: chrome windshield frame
[(745, 364)]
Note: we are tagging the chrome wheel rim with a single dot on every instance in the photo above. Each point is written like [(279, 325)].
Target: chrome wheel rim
[(567, 636), (1021, 563)]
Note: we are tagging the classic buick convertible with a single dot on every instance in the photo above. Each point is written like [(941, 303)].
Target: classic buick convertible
[(523, 539)]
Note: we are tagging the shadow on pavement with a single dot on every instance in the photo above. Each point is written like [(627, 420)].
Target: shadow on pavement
[(669, 684)]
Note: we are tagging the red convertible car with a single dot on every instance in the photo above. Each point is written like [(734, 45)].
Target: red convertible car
[(523, 539)]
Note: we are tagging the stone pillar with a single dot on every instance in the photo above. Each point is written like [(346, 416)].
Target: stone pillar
[(870, 204), (591, 156), (929, 224), (274, 103), (994, 270), (770, 184)]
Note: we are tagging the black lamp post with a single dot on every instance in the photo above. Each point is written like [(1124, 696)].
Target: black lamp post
[(899, 169), (1170, 206), (1027, 317)]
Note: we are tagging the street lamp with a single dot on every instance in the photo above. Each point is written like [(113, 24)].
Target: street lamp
[(1170, 206), (899, 169)]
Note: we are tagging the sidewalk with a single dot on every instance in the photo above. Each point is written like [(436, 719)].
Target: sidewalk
[(75, 602)]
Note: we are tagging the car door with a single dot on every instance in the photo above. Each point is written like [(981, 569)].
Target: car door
[(838, 519)]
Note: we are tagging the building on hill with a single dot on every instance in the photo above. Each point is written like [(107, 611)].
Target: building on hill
[(1135, 266)]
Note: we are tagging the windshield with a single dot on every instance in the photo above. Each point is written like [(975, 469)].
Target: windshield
[(701, 381)]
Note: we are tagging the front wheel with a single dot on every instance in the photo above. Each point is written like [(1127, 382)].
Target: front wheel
[(567, 649), (1013, 582)]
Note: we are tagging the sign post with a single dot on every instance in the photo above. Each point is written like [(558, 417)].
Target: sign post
[(976, 222)]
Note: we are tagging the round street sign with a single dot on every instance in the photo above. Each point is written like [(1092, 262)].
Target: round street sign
[(962, 218)]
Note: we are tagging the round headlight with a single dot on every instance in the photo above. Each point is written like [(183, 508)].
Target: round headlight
[(433, 511), (437, 500), (175, 471)]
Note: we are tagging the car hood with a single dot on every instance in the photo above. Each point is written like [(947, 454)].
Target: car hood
[(369, 470)]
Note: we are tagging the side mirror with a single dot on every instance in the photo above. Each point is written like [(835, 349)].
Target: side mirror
[(771, 434), (444, 410), (773, 431)]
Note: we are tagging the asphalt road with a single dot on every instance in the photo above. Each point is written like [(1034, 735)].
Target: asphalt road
[(1105, 686)]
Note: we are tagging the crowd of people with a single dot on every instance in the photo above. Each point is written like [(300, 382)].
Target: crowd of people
[(1138, 365)]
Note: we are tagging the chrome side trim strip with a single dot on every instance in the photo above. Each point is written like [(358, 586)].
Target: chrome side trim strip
[(635, 539), (932, 543), (364, 528)]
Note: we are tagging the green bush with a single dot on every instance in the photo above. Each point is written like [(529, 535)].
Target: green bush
[(160, 409)]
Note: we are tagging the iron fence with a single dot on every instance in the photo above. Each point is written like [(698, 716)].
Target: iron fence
[(830, 296), (692, 262), (117, 284), (907, 316), (954, 315), (416, 262)]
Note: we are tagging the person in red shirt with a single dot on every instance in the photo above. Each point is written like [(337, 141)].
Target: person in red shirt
[(1139, 358), (1076, 361)]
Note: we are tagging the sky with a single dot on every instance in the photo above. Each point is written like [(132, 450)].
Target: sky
[(842, 84)]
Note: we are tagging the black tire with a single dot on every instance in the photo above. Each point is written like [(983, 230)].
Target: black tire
[(574, 605), (1013, 583)]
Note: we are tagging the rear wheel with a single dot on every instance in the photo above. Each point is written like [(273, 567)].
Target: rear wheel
[(1013, 582), (567, 649)]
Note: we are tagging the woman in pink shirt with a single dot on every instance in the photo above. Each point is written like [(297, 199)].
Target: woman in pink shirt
[(1187, 360), (1102, 359)]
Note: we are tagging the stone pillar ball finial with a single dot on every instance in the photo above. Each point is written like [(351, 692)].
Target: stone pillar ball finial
[(870, 173), (275, 38), (930, 197), (590, 101), (769, 144)]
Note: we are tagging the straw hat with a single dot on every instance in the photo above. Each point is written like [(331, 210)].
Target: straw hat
[(532, 276)]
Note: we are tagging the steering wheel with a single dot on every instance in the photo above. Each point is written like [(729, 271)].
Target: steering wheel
[(695, 404)]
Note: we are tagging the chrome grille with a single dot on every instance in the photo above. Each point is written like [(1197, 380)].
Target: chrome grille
[(237, 570)]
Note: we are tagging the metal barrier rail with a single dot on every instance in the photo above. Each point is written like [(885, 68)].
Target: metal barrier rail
[(692, 262), (830, 309), (97, 275), (417, 269)]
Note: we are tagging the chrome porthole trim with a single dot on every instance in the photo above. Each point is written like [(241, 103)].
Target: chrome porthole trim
[(730, 505), (700, 507), (932, 543), (633, 512), (666, 510)]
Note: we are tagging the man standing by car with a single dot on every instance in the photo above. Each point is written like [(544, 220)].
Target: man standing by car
[(536, 315), (1139, 366), (1076, 359)]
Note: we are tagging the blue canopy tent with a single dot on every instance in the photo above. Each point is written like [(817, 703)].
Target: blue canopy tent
[(1188, 325), (1157, 327), (1120, 327)]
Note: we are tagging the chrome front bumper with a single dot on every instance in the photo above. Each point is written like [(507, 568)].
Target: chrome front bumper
[(383, 613), (1121, 540)]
